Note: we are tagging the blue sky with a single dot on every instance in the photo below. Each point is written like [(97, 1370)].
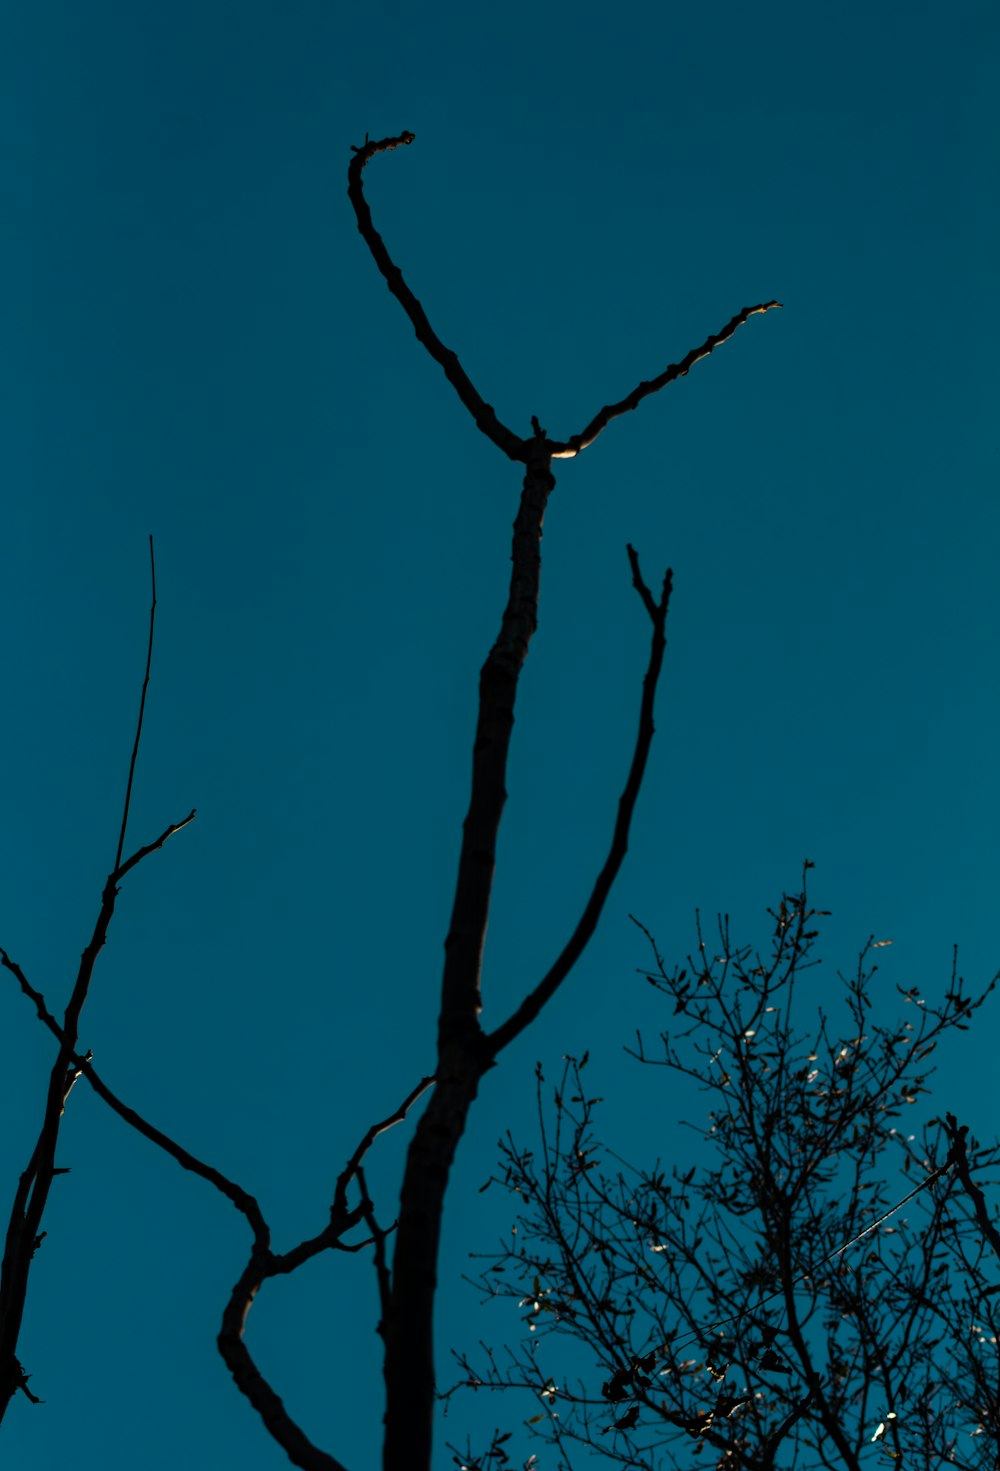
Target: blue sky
[(200, 347)]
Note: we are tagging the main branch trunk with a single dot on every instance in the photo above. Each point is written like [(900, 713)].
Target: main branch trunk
[(409, 1357), (463, 1055)]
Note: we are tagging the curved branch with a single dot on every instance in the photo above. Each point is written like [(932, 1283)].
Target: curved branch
[(575, 946), (251, 1382), (601, 420), (483, 413)]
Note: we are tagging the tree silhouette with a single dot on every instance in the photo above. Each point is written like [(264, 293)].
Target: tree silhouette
[(780, 1303), (465, 1051)]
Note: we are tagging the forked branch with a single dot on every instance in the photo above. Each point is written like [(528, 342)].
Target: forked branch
[(483, 413)]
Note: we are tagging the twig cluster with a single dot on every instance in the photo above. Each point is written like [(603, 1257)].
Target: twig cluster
[(773, 1304)]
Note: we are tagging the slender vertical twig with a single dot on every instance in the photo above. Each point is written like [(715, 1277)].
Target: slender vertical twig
[(142, 709)]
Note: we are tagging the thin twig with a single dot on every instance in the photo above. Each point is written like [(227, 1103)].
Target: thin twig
[(812, 1269), (152, 847), (371, 1134), (378, 1237), (142, 709), (34, 996), (958, 1157)]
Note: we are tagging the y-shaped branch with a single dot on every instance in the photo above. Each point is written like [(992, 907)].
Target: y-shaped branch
[(483, 414)]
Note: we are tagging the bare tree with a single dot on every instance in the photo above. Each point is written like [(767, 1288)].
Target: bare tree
[(780, 1303), (465, 1050)]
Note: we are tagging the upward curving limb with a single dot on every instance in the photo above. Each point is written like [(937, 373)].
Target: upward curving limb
[(587, 923), (601, 420), (483, 413)]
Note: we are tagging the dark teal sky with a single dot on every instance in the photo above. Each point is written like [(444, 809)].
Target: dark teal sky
[(198, 345)]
